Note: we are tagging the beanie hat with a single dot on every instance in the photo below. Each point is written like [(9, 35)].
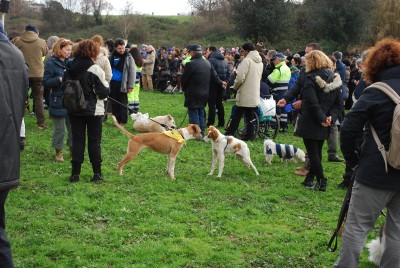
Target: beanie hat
[(280, 56), (32, 28), (194, 48)]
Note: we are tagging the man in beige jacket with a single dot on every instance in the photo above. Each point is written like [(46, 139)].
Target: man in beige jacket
[(34, 49), (148, 68), (247, 85)]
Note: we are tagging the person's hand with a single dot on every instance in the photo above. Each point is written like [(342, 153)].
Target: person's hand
[(281, 103), (327, 122), (224, 84), (130, 90), (297, 104)]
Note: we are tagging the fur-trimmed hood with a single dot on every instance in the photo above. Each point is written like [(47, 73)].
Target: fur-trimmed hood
[(328, 87)]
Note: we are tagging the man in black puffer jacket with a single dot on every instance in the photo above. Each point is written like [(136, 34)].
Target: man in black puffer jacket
[(216, 92)]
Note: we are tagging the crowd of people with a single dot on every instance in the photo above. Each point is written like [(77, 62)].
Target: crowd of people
[(317, 86)]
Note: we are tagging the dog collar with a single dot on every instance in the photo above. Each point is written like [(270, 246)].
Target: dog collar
[(175, 135)]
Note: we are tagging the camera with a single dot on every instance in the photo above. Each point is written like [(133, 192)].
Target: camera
[(4, 5)]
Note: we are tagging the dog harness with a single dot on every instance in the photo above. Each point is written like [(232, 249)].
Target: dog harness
[(288, 150), (227, 141), (175, 135)]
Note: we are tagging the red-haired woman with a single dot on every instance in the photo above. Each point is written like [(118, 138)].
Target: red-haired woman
[(374, 187), (89, 120)]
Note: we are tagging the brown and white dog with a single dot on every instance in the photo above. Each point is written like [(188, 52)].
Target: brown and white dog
[(376, 247), (145, 124), (227, 144), (159, 143)]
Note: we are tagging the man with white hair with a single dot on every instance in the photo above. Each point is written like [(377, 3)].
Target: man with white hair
[(148, 68)]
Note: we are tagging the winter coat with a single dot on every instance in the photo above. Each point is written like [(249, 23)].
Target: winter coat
[(375, 107), (104, 63), (128, 73), (33, 48), (196, 82), (247, 81), (220, 65), (320, 100), (93, 82), (13, 91), (148, 63), (53, 71)]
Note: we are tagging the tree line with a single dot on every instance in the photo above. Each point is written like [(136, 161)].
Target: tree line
[(279, 24)]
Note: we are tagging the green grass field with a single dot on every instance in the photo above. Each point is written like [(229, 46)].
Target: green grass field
[(143, 219)]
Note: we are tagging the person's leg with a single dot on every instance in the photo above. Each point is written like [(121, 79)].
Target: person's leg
[(150, 82), (37, 92), (202, 119), (58, 137), (115, 89), (5, 247), (211, 107), (332, 144), (69, 134), (123, 98), (220, 107), (236, 117), (194, 116), (366, 204), (94, 127), (391, 255), (78, 129), (249, 115), (313, 150), (144, 82)]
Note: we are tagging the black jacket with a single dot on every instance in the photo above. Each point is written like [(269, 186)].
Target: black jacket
[(375, 107), (196, 82), (13, 93), (318, 103), (93, 82)]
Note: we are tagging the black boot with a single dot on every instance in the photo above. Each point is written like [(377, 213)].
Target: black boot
[(320, 185), (308, 181)]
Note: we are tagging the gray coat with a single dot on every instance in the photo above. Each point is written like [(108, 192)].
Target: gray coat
[(13, 92)]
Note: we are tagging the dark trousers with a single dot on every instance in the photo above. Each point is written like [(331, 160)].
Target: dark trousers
[(314, 151), (5, 248), (120, 112), (35, 83), (79, 125), (280, 111), (198, 116), (215, 103), (238, 113)]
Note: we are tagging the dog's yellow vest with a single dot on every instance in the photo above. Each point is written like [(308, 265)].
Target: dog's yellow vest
[(175, 135)]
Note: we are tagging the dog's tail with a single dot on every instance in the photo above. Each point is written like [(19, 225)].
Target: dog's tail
[(123, 130)]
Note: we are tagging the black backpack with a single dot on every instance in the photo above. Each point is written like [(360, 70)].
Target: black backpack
[(74, 99)]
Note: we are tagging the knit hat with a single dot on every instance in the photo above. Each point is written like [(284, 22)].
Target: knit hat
[(32, 28)]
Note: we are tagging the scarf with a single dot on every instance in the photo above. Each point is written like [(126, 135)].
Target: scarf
[(175, 135), (121, 62)]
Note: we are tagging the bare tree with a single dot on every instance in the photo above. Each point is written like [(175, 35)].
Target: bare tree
[(98, 7), (127, 19), (86, 9), (71, 5)]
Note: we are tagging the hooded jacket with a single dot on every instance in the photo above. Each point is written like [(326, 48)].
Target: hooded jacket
[(13, 93), (321, 98), (33, 48), (247, 82), (104, 63), (94, 84), (375, 107)]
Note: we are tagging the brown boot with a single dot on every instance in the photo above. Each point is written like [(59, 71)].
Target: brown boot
[(59, 156), (301, 172)]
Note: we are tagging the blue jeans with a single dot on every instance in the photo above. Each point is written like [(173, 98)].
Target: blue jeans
[(198, 116)]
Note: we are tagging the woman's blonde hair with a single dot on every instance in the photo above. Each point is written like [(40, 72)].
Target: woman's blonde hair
[(59, 44), (316, 59), (98, 39)]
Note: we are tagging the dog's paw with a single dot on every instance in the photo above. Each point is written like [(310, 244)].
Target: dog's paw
[(210, 174)]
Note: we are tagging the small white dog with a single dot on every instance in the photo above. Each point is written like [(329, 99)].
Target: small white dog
[(376, 247), (145, 124), (284, 151), (227, 144)]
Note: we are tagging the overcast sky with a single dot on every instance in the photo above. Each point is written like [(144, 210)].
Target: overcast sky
[(156, 7)]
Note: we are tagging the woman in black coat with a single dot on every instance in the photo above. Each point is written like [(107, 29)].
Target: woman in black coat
[(321, 105)]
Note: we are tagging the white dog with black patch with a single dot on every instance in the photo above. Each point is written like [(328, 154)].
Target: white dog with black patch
[(284, 151)]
